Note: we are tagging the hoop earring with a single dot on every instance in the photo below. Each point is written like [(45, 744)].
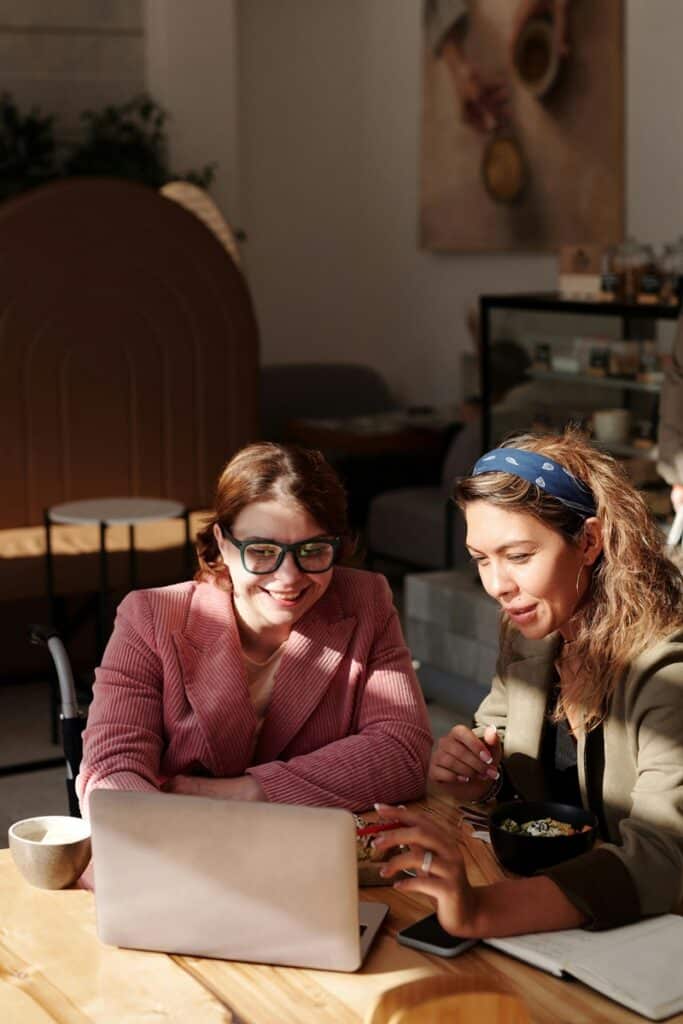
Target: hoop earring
[(578, 579)]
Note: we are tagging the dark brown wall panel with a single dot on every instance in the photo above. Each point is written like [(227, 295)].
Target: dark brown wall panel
[(128, 349)]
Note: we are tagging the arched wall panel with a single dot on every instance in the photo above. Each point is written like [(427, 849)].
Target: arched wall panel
[(128, 349)]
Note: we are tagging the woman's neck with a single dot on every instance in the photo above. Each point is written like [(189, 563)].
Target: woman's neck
[(258, 643)]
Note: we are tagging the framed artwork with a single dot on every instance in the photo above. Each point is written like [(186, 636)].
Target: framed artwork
[(522, 124)]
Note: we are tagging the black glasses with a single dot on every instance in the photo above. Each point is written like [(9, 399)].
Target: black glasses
[(262, 556)]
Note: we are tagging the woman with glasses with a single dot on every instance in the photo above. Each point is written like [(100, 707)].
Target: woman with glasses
[(587, 705), (275, 674)]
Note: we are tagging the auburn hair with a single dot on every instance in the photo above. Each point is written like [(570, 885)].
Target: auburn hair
[(635, 593), (266, 471)]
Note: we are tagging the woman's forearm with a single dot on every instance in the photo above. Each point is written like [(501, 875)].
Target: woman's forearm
[(520, 905), (243, 787)]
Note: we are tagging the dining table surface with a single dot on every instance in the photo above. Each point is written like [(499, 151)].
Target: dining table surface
[(55, 970)]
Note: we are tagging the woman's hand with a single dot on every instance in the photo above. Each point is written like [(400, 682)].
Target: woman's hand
[(445, 881), (244, 787), (467, 763)]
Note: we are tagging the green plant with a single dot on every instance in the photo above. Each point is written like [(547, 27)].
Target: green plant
[(28, 151), (126, 141)]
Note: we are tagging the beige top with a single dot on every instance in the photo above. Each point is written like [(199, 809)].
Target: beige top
[(261, 679)]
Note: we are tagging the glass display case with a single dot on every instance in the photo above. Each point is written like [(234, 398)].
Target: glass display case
[(604, 372)]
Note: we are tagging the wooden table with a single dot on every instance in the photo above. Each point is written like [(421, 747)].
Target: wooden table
[(53, 968)]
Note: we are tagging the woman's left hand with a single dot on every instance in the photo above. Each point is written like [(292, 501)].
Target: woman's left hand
[(243, 787), (445, 880)]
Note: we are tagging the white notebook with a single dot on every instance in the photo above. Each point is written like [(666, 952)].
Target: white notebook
[(640, 965)]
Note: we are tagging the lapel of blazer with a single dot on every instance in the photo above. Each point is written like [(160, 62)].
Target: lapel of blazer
[(311, 658), (528, 682), (214, 678)]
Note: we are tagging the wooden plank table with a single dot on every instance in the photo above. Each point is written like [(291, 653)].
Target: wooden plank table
[(53, 968)]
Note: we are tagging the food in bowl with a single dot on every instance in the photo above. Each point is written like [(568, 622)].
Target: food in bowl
[(525, 846), (547, 827)]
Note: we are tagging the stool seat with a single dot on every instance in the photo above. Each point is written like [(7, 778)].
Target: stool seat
[(104, 513), (115, 510)]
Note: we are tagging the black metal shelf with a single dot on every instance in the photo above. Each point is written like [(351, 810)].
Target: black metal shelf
[(611, 383), (550, 302)]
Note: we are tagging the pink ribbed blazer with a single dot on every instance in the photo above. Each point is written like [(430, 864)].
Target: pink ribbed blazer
[(346, 725)]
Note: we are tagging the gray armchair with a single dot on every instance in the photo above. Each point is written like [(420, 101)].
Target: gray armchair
[(419, 526)]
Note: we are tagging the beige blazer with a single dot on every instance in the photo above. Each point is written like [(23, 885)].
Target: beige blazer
[(630, 775), (670, 463)]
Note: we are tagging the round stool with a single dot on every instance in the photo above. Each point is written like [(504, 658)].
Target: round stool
[(104, 512)]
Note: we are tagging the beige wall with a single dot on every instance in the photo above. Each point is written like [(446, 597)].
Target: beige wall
[(313, 108), (191, 68), (329, 150), (330, 98), (654, 122), (68, 56)]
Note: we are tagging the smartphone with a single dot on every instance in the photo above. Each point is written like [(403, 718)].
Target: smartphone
[(428, 935)]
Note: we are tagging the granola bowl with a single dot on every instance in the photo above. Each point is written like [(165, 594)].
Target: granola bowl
[(529, 836)]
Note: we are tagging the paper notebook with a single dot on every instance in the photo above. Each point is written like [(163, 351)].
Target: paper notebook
[(639, 966)]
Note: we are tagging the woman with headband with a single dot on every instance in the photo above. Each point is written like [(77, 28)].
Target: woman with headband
[(587, 705)]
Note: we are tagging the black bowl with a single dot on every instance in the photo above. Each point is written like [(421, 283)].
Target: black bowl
[(527, 854)]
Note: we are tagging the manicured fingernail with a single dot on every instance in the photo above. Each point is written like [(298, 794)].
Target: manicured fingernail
[(378, 841), (401, 807), (463, 778), (492, 773), (485, 756)]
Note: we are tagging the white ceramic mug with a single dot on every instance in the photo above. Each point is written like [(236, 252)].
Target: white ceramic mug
[(51, 852), (611, 425)]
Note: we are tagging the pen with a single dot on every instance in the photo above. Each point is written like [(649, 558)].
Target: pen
[(384, 826)]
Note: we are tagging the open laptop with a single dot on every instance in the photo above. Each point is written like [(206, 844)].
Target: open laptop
[(262, 882)]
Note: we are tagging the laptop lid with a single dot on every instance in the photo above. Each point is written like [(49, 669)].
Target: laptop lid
[(261, 882)]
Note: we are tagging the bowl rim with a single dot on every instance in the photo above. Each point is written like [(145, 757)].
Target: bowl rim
[(85, 826), (540, 26)]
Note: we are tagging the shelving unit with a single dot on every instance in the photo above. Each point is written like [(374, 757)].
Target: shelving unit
[(613, 383), (632, 318)]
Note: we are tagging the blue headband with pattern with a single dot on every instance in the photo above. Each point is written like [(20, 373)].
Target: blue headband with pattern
[(538, 469)]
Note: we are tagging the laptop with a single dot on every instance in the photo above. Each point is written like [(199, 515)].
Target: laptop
[(261, 882)]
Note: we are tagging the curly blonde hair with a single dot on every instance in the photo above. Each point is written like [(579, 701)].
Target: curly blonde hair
[(635, 593)]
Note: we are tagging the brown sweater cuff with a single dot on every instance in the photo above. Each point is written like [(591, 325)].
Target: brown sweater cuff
[(600, 885)]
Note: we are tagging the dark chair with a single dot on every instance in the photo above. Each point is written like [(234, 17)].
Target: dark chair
[(289, 391), (419, 526), (73, 718)]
